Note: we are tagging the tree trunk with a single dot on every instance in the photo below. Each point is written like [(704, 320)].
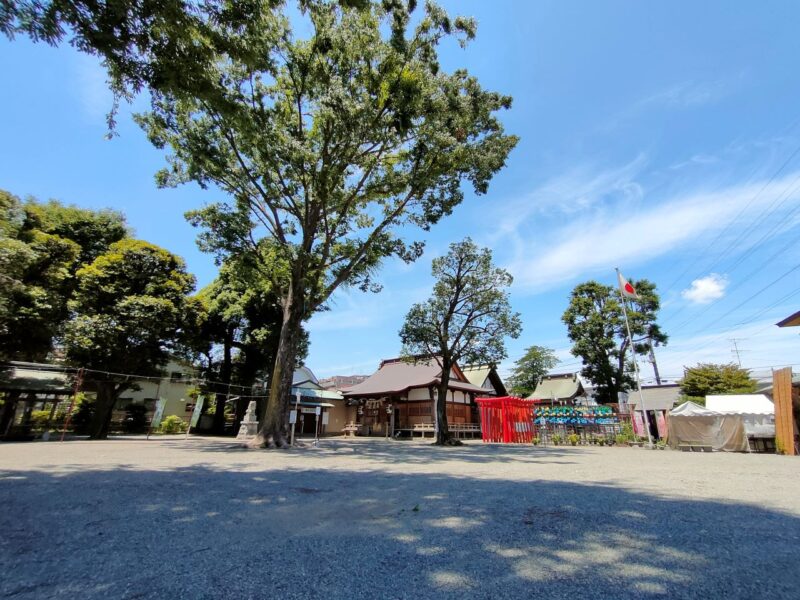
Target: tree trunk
[(107, 394), (443, 435), (272, 432), (9, 408)]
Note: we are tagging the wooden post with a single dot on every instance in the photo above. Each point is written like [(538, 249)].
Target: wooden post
[(784, 416)]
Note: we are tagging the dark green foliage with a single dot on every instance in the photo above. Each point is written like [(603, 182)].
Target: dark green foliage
[(596, 327), (135, 418), (82, 416), (708, 378), (529, 369), (130, 310), (42, 245), (466, 319)]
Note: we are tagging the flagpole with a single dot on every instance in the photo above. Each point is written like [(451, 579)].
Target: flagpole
[(635, 365)]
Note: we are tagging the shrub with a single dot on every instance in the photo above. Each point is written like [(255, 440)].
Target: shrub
[(135, 418), (556, 439), (573, 439), (621, 438), (39, 418), (627, 430), (82, 415), (173, 424), (535, 441)]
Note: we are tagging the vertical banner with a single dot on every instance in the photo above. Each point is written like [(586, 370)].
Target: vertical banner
[(158, 414), (198, 409)]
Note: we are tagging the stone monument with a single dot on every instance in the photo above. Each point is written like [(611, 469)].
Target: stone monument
[(249, 427)]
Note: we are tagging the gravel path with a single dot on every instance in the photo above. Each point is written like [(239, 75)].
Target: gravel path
[(200, 518)]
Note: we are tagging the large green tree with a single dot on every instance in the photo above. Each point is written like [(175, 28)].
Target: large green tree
[(153, 45), (596, 327), (130, 310), (327, 145), (529, 369), (239, 334), (467, 318), (42, 246), (709, 378)]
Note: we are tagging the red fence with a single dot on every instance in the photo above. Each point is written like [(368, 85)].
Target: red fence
[(508, 420)]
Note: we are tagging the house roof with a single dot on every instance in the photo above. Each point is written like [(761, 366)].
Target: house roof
[(656, 397), (398, 375), (304, 377), (745, 404), (477, 374), (790, 321), (35, 378), (561, 386)]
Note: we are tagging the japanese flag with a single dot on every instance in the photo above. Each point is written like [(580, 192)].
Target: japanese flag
[(625, 287)]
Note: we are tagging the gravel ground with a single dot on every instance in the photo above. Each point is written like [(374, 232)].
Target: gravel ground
[(201, 518)]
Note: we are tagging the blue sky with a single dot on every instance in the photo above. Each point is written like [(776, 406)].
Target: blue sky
[(658, 137)]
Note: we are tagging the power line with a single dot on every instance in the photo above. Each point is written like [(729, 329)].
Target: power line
[(739, 214)]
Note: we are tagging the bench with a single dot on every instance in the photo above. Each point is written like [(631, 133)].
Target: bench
[(695, 447), (464, 428), (422, 428)]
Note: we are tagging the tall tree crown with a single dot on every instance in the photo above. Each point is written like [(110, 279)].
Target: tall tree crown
[(468, 316), (596, 326), (326, 145)]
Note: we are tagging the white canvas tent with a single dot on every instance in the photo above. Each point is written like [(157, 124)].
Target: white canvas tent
[(757, 411), (692, 424)]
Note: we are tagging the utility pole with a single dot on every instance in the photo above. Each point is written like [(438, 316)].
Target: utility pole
[(735, 350), (653, 360)]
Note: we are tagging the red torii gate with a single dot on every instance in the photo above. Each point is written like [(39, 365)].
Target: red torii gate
[(508, 420)]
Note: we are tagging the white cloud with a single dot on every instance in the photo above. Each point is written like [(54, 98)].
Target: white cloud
[(92, 88), (706, 289), (690, 94), (572, 192), (628, 233)]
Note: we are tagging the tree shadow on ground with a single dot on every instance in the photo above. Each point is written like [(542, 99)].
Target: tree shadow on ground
[(399, 452), (206, 533)]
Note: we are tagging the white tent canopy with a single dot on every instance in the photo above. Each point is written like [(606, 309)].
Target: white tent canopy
[(692, 424), (757, 411)]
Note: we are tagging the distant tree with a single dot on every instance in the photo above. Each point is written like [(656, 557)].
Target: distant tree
[(709, 378), (129, 312), (467, 318), (42, 245), (529, 369), (596, 327)]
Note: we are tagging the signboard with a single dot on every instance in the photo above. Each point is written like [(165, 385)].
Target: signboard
[(325, 418), (158, 414), (292, 417), (307, 410), (196, 412), (318, 410)]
